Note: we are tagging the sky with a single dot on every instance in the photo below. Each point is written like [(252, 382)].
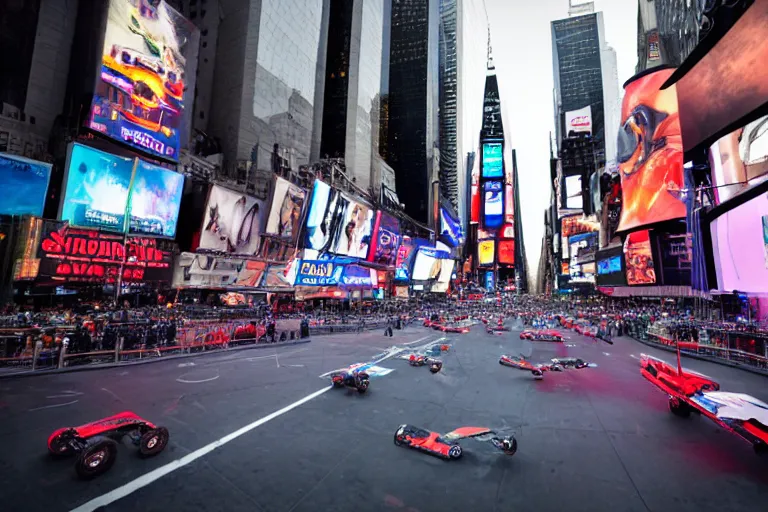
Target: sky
[(522, 52)]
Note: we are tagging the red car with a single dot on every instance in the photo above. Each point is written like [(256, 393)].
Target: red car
[(446, 446), (96, 442)]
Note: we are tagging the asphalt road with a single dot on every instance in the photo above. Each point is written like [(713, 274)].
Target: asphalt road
[(593, 439)]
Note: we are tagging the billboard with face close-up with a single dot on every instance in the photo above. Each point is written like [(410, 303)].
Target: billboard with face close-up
[(155, 200), (650, 153), (322, 208), (427, 265), (28, 180), (143, 85), (232, 223), (353, 225), (638, 259), (405, 256), (285, 215)]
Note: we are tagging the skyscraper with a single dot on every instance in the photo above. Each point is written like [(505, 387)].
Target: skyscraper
[(667, 31), (449, 179)]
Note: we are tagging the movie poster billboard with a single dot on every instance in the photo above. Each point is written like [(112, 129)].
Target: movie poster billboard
[(155, 200), (322, 209), (319, 273), (638, 258), (650, 153), (427, 265), (386, 240), (233, 222), (352, 228), (287, 204), (146, 78), (27, 180), (96, 190), (493, 160)]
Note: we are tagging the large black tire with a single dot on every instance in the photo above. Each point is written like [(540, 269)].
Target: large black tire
[(678, 408), (362, 386), (397, 441), (153, 442), (513, 449), (59, 447), (97, 458), (454, 452)]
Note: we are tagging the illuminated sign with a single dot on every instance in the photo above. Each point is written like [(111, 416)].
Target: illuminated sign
[(318, 273), (485, 252)]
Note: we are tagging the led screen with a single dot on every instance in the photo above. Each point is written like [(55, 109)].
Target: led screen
[(573, 197), (28, 181), (738, 158), (232, 223), (507, 252), (581, 273), (386, 240), (675, 259), (427, 264), (485, 252), (583, 247), (155, 200), (140, 93), (351, 228), (577, 224), (493, 203), (493, 160), (609, 266), (97, 189), (740, 247), (650, 153), (509, 202), (285, 215), (320, 216), (729, 82), (638, 258), (405, 255), (489, 281), (450, 228)]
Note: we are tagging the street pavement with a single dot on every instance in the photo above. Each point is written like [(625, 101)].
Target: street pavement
[(257, 431)]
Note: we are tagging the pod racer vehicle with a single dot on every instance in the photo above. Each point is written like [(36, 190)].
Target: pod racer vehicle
[(95, 443), (354, 379), (435, 365), (541, 335), (538, 369), (447, 446), (688, 392)]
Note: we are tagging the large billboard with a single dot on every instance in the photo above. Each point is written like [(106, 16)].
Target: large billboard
[(485, 252), (427, 265), (155, 200), (578, 121), (506, 252), (144, 77), (738, 158), (405, 256), (650, 152), (577, 224), (26, 183), (353, 224), (610, 270), (493, 160), (493, 204), (386, 240), (638, 258), (233, 222), (450, 228), (285, 215), (322, 209), (96, 189), (319, 273), (574, 199)]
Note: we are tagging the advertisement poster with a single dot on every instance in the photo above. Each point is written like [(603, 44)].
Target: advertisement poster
[(450, 229), (638, 258), (319, 273), (97, 189), (507, 252), (232, 223), (251, 273), (493, 204), (321, 216), (387, 240), (28, 179), (490, 282), (676, 252), (493, 160), (155, 200), (405, 255), (427, 264), (509, 202), (578, 121), (139, 97), (738, 158), (577, 224), (650, 153), (355, 276), (485, 252), (654, 49), (287, 203), (276, 278), (352, 235)]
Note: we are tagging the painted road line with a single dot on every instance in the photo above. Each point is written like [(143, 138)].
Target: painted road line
[(395, 351), (146, 479), (52, 406)]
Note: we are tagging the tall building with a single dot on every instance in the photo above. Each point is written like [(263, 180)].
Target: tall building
[(667, 31), (352, 88), (449, 179), (412, 102)]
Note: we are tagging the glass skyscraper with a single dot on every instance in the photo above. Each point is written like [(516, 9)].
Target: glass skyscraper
[(449, 180)]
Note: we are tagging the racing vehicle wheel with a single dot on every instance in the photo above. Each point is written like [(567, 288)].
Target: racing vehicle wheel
[(679, 408), (362, 386), (153, 441), (508, 445), (454, 452), (96, 458), (58, 443)]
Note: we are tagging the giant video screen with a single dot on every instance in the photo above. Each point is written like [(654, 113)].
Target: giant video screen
[(320, 217), (142, 88), (287, 204), (427, 265), (493, 204), (405, 256), (486, 252), (386, 240), (506, 252), (353, 225), (451, 233), (610, 271), (638, 258), (493, 160), (27, 181), (96, 189), (650, 153), (155, 200), (233, 222)]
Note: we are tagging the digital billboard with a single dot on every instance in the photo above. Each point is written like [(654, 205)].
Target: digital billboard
[(485, 252), (493, 204), (507, 252), (155, 200), (386, 240), (405, 255), (140, 91), (650, 152), (321, 216), (352, 229), (610, 271), (638, 258), (427, 264), (28, 180), (450, 228), (675, 258), (493, 160), (738, 158), (285, 215), (97, 187), (232, 223), (490, 281), (577, 224), (355, 276), (583, 247), (319, 273), (573, 193)]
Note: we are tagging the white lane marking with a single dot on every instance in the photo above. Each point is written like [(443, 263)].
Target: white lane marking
[(113, 394), (293, 366), (391, 354), (148, 478), (606, 354), (184, 365), (196, 381), (633, 356), (66, 394), (54, 405)]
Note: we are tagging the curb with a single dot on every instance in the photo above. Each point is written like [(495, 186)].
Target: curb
[(700, 357), (106, 366)]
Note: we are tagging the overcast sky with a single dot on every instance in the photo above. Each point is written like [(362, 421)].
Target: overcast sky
[(522, 52)]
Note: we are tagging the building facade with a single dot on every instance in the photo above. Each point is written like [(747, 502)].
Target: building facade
[(667, 32), (449, 179)]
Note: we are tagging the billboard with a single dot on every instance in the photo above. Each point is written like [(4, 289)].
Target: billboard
[(638, 259), (507, 252), (96, 189), (490, 282), (285, 215), (320, 216), (352, 228), (355, 276), (386, 240), (728, 83), (493, 160), (450, 229), (319, 273), (578, 121), (207, 271), (154, 200), (675, 258), (581, 273), (739, 243), (405, 255), (573, 193), (276, 278), (738, 158), (427, 264), (485, 252), (577, 224), (139, 98), (610, 271), (474, 191), (233, 222), (582, 247), (493, 204), (28, 181), (650, 152)]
